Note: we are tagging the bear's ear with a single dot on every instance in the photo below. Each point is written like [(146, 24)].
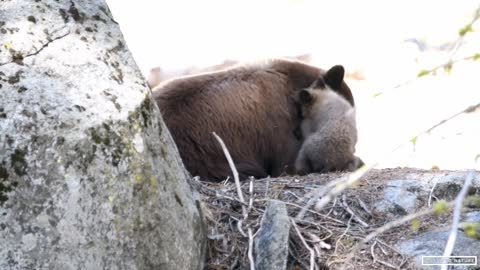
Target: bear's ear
[(304, 97), (334, 76)]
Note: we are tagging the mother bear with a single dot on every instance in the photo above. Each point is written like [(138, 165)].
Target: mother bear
[(254, 108)]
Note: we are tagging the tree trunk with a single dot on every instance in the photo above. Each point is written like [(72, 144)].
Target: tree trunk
[(89, 175)]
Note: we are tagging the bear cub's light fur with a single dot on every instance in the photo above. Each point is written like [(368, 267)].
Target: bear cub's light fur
[(328, 126)]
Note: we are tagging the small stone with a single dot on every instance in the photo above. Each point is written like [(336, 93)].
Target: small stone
[(271, 243), (472, 217), (29, 241), (400, 197), (449, 185)]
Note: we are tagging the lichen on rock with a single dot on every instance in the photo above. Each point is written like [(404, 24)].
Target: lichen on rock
[(84, 154)]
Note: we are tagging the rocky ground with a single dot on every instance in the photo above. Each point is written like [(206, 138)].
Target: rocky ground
[(335, 234)]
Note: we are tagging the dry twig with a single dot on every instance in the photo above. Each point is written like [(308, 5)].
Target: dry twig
[(364, 206), (240, 196), (342, 235), (375, 259), (350, 211), (250, 249), (352, 178), (233, 168), (250, 191), (431, 193), (318, 192), (312, 253)]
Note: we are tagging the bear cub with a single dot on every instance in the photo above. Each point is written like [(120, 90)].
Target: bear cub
[(328, 126)]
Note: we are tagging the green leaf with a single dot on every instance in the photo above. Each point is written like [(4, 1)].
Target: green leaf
[(476, 56), (415, 225), (448, 67), (8, 45), (464, 30), (440, 207), (472, 229), (377, 94), (414, 140), (423, 73)]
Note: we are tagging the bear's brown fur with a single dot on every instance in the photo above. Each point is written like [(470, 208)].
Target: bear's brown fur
[(329, 128), (253, 108)]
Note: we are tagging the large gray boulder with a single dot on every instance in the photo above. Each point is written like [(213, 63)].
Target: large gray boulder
[(89, 175)]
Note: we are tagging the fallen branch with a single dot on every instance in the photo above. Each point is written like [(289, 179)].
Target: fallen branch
[(242, 200)]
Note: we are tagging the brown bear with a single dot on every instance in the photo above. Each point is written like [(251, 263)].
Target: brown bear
[(328, 126), (252, 107)]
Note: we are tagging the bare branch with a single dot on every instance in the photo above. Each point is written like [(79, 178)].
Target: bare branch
[(234, 171), (239, 227), (448, 62), (431, 193), (456, 216), (250, 191), (242, 200), (250, 249)]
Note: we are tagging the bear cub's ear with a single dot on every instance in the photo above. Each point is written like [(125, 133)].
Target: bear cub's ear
[(304, 97), (334, 76)]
